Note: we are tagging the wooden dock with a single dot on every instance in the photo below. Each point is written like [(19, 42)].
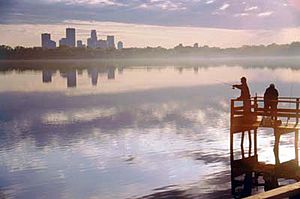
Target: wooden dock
[(246, 169), (288, 191)]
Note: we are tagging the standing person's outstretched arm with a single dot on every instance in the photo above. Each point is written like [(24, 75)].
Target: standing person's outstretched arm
[(238, 86)]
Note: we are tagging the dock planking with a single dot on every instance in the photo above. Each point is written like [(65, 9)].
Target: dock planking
[(288, 191)]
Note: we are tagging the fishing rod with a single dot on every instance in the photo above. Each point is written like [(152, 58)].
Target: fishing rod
[(225, 83)]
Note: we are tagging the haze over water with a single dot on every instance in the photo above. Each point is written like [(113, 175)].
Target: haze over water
[(126, 132)]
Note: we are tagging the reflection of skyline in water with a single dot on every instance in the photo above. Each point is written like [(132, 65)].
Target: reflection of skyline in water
[(47, 76), (111, 144), (71, 75), (97, 80)]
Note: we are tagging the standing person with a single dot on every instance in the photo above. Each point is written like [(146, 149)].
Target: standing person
[(247, 118), (245, 94), (270, 100)]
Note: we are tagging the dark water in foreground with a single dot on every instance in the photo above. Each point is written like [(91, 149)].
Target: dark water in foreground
[(115, 132)]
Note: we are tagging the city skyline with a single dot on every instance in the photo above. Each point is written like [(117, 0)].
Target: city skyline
[(28, 35), (71, 41)]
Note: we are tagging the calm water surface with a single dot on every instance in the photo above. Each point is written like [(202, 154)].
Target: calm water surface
[(125, 132)]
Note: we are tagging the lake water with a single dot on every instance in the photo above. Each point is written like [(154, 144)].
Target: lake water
[(112, 131)]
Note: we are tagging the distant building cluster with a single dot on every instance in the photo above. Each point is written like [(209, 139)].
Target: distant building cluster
[(70, 41), (47, 42)]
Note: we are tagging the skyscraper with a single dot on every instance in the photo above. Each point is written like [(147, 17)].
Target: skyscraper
[(45, 38), (47, 43), (92, 41), (70, 36), (94, 35), (111, 42)]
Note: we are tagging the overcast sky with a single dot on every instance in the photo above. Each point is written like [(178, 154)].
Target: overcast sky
[(255, 19)]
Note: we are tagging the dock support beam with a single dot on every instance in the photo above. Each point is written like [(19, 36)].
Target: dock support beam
[(255, 142), (276, 146)]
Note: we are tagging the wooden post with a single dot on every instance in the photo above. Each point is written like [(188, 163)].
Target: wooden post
[(296, 146), (231, 130), (276, 146), (242, 145), (231, 145), (297, 110), (255, 105), (255, 142), (250, 143), (255, 130), (273, 111)]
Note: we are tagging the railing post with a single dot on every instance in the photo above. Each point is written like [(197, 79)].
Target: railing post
[(296, 146), (232, 109), (255, 105), (231, 129), (297, 110), (297, 133), (255, 142)]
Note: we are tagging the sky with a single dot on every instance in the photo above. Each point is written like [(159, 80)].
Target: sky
[(141, 23)]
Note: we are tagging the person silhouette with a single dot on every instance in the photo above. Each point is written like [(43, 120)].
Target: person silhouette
[(270, 100), (245, 94)]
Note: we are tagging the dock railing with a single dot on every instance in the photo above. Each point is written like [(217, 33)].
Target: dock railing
[(287, 108)]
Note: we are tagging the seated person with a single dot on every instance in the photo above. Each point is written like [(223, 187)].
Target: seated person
[(270, 100)]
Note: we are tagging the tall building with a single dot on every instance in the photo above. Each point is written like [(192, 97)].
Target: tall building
[(111, 42), (89, 43), (94, 35), (47, 43), (120, 45), (45, 38), (70, 38), (92, 41)]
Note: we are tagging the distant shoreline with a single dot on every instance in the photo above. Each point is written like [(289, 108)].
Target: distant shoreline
[(245, 62), (217, 58), (149, 53)]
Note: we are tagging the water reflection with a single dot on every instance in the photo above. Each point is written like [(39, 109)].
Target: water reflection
[(153, 133), (93, 73), (111, 73), (71, 75), (47, 76)]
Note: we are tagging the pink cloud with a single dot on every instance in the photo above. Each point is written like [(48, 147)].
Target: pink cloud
[(295, 3)]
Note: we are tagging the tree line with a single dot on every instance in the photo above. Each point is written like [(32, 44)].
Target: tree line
[(19, 52)]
